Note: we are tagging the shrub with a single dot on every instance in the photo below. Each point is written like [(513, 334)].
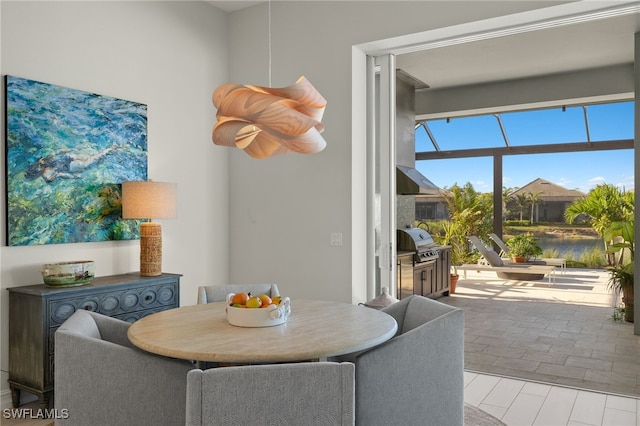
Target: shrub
[(593, 258)]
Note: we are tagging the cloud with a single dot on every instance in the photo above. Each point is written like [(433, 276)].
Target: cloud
[(596, 180), (591, 183), (627, 183), (481, 186)]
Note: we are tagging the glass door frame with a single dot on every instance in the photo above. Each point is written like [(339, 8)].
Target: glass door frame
[(366, 167)]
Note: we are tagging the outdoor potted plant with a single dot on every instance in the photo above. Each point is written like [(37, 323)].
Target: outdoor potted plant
[(621, 280), (454, 236), (523, 247), (621, 275)]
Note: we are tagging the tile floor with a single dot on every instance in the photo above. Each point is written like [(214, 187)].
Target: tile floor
[(519, 403), (561, 334), (548, 355)]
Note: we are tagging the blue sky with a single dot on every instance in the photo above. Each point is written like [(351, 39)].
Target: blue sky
[(580, 171)]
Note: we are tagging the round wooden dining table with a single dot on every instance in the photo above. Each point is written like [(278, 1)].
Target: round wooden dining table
[(314, 330)]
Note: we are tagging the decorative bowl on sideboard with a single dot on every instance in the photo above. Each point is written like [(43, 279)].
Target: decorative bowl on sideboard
[(68, 274)]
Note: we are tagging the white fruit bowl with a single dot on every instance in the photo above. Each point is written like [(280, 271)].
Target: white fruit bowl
[(68, 274), (258, 317)]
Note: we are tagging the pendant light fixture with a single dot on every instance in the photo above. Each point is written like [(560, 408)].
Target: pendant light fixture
[(265, 121)]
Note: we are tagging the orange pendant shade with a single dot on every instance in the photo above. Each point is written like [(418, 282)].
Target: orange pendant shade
[(266, 121)]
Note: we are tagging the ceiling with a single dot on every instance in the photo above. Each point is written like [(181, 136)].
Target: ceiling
[(231, 6), (568, 48), (563, 49)]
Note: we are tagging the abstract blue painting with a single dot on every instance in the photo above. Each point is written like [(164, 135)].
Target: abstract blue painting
[(67, 152)]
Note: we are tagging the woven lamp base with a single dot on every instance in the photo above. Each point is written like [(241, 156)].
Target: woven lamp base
[(150, 249)]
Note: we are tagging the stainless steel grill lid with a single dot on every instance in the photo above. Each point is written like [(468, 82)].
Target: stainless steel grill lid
[(419, 241), (414, 239)]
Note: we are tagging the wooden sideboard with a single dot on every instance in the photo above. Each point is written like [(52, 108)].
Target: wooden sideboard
[(36, 312)]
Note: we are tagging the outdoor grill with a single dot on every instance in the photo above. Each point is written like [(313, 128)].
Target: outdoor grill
[(418, 260), (418, 241)]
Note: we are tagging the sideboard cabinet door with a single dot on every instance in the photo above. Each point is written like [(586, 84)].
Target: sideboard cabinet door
[(36, 312)]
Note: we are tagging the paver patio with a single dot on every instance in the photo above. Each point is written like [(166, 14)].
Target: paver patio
[(561, 334)]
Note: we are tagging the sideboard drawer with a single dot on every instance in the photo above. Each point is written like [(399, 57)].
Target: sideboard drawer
[(115, 303), (135, 316), (36, 312)]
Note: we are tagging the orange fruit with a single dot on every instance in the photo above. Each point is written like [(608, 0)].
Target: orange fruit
[(239, 299), (266, 300)]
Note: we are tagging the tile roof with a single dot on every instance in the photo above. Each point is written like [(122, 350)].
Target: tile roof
[(548, 191)]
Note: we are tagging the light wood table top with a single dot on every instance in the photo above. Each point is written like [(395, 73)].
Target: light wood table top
[(314, 330)]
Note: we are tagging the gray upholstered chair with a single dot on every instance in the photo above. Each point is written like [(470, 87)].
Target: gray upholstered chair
[(308, 393), (101, 379), (417, 377), (218, 293)]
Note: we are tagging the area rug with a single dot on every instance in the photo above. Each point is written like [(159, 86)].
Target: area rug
[(473, 416)]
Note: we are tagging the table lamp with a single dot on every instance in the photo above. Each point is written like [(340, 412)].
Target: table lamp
[(149, 200)]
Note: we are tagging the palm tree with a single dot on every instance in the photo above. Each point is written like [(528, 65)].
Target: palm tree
[(505, 198), (602, 206), (522, 201), (533, 198), (471, 211)]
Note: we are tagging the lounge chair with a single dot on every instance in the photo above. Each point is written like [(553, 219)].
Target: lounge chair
[(511, 271), (504, 254)]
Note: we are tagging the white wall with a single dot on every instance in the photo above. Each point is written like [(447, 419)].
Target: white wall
[(240, 219), (168, 55), (284, 209)]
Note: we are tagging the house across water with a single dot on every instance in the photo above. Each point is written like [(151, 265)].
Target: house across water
[(549, 203)]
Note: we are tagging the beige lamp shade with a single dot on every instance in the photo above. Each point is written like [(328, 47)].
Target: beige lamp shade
[(266, 121), (149, 200)]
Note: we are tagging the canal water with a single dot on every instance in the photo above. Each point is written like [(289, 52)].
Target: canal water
[(574, 245)]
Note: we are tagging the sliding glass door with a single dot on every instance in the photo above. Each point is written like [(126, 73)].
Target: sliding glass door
[(381, 179)]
